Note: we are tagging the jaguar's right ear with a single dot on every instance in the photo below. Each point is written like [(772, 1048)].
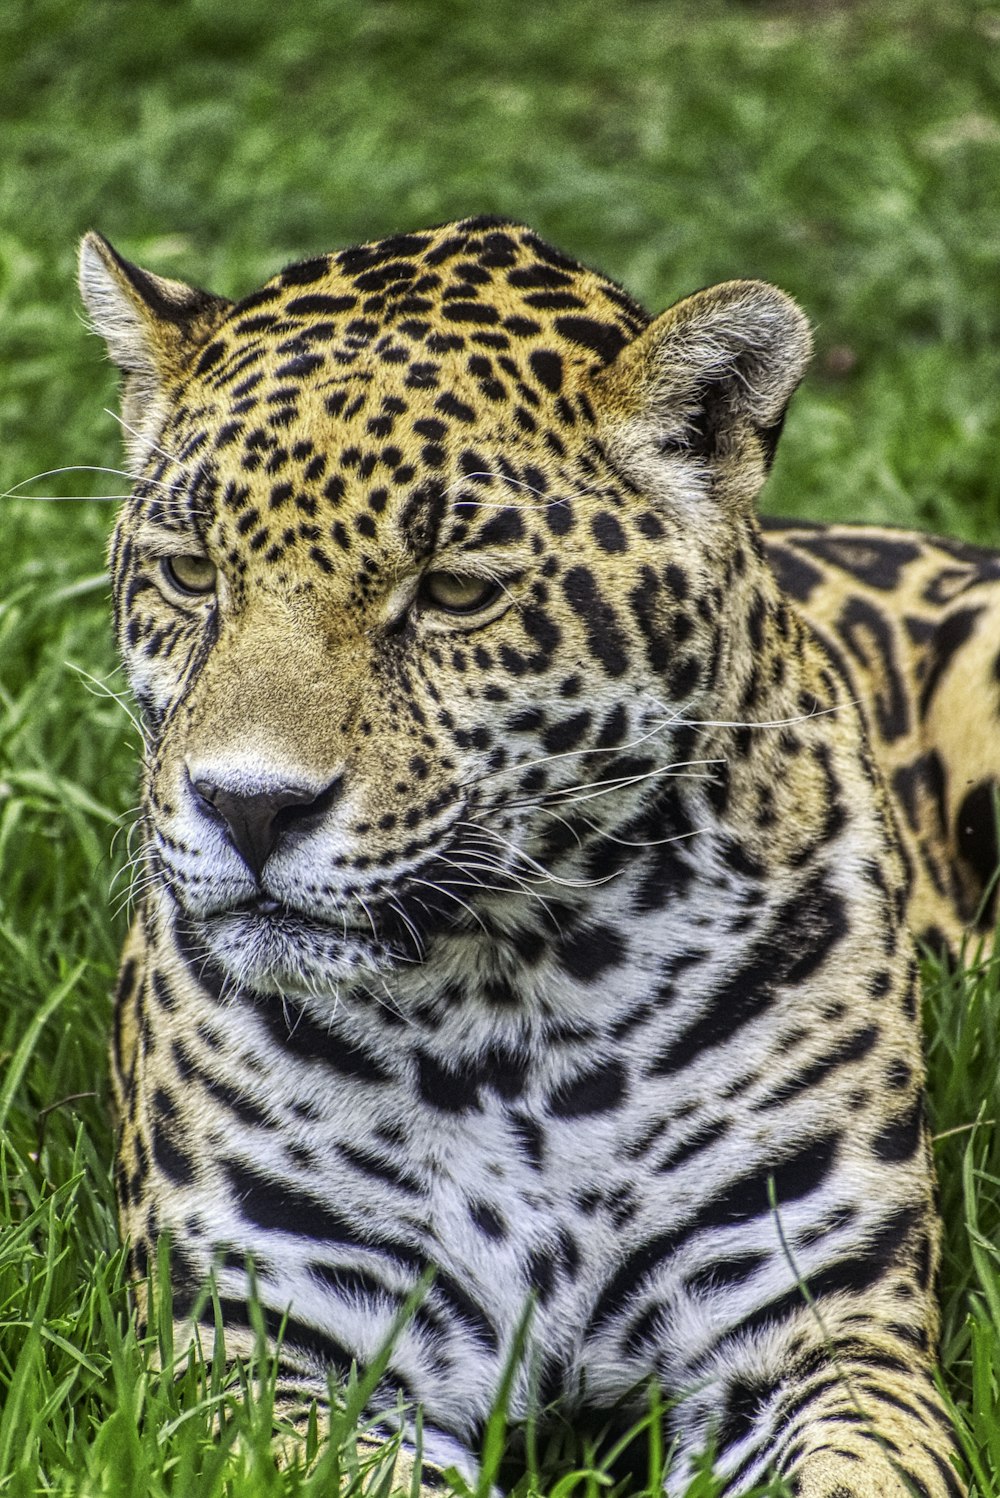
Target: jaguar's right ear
[(692, 409), (152, 327)]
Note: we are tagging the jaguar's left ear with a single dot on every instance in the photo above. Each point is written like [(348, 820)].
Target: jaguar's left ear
[(695, 404), (153, 327)]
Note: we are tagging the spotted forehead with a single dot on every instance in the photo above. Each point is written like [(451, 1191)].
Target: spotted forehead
[(467, 288), (369, 379)]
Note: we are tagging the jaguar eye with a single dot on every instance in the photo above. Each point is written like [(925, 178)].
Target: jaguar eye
[(189, 573), (457, 592)]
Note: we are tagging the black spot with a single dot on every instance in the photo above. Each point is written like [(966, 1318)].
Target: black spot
[(877, 560), (528, 720), (450, 405), (162, 993), (446, 1090), (547, 367), (299, 366), (851, 1048), (522, 327), (553, 301), (729, 1270), (298, 1035), (683, 677), (796, 576), (976, 838), (317, 305), (589, 951), (792, 1177), (898, 1141), (544, 631), (911, 782), (602, 338), (541, 1275), (864, 1267), (559, 517), (502, 1070), (294, 1334), (595, 1091), (460, 1302), (529, 276), (702, 1138), (806, 929), (605, 638), (273, 1203), (304, 272), (608, 532), (530, 1138), (381, 1169), (344, 1279), (488, 1221), (503, 526), (644, 599), (233, 1100), (566, 734), (863, 626), (470, 312)]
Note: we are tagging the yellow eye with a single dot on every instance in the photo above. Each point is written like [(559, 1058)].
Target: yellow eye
[(457, 593), (189, 573)]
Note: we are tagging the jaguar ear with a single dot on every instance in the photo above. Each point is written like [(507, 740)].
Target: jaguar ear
[(151, 326), (696, 403)]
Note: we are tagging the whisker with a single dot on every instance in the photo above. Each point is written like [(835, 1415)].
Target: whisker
[(417, 939), (546, 759), (544, 874), (572, 795), (490, 867), (443, 889), (654, 842), (676, 719), (48, 473), (99, 688), (500, 478), (134, 432)]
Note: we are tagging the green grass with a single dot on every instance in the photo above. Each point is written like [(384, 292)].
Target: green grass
[(850, 154)]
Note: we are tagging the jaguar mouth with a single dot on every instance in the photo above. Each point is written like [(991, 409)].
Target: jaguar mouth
[(267, 913), (266, 946)]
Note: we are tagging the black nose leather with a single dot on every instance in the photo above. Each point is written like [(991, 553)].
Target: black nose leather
[(255, 819)]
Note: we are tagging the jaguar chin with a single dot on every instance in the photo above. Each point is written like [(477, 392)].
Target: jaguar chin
[(284, 952)]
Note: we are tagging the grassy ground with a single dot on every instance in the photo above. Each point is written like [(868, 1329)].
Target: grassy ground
[(850, 154)]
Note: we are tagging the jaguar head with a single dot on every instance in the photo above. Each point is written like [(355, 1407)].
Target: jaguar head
[(436, 549)]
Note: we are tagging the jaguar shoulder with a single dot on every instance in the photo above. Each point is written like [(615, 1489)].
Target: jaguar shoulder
[(913, 622), (521, 899)]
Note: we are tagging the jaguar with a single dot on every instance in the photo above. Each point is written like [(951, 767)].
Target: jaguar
[(522, 972)]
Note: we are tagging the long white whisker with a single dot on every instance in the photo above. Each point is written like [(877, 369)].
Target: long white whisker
[(655, 842), (49, 473), (134, 432), (100, 688), (417, 938), (546, 759), (676, 719), (572, 795), (545, 874), (500, 478), (489, 866), (443, 889)]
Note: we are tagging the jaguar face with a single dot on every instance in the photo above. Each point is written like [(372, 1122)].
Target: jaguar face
[(420, 580)]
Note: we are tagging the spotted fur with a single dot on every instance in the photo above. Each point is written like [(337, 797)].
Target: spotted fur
[(519, 899), (914, 623)]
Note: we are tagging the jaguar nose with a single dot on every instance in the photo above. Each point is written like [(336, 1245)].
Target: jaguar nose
[(255, 816)]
